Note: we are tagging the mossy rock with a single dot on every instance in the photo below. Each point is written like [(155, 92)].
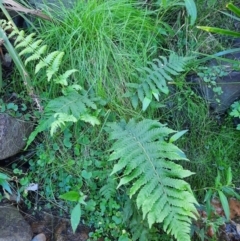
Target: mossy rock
[(13, 135)]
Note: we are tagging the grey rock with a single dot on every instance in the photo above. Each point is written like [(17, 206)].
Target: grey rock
[(230, 85), (13, 227), (40, 237), (13, 135)]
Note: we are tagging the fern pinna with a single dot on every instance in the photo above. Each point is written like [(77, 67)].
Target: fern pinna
[(145, 161), (153, 79)]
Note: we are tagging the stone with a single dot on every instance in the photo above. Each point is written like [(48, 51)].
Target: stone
[(13, 135), (13, 227), (40, 237), (230, 85)]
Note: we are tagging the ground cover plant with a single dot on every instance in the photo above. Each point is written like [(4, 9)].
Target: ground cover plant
[(111, 79)]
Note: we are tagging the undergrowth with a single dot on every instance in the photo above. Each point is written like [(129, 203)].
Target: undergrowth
[(99, 134)]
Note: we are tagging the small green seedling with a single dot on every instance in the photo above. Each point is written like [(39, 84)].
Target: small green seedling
[(78, 197)]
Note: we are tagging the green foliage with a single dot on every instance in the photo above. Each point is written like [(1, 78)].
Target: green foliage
[(4, 27), (106, 46), (76, 212), (71, 107), (105, 42), (210, 75), (4, 182), (235, 111), (221, 191), (146, 160), (227, 32), (189, 4), (153, 79)]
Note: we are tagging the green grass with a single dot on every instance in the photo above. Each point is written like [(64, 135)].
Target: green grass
[(105, 41)]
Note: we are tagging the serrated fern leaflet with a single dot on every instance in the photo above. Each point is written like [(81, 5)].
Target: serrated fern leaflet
[(145, 160)]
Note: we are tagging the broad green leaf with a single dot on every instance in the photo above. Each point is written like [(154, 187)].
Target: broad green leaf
[(86, 175), (229, 191), (4, 176), (146, 103), (177, 136), (75, 217), (229, 176), (225, 205), (5, 185), (208, 195), (134, 101), (192, 10), (220, 31), (164, 3), (155, 94), (70, 196), (234, 9), (12, 106)]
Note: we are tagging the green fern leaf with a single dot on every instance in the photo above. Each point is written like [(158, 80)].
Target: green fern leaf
[(146, 162), (7, 26), (37, 55), (3, 23), (62, 79), (31, 48), (72, 107), (109, 189), (54, 66), (44, 124), (154, 79), (60, 120), (50, 57), (26, 41), (71, 104), (20, 37), (13, 33)]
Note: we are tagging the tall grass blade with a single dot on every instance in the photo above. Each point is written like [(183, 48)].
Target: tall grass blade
[(192, 10)]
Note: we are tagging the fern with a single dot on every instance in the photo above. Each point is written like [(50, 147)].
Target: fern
[(109, 189), (153, 80), (31, 48), (27, 41), (146, 162), (71, 107), (59, 120), (62, 79), (54, 66)]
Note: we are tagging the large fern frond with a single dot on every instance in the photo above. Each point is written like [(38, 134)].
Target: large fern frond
[(153, 80), (145, 160)]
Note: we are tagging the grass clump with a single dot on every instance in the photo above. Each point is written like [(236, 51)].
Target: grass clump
[(106, 41)]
